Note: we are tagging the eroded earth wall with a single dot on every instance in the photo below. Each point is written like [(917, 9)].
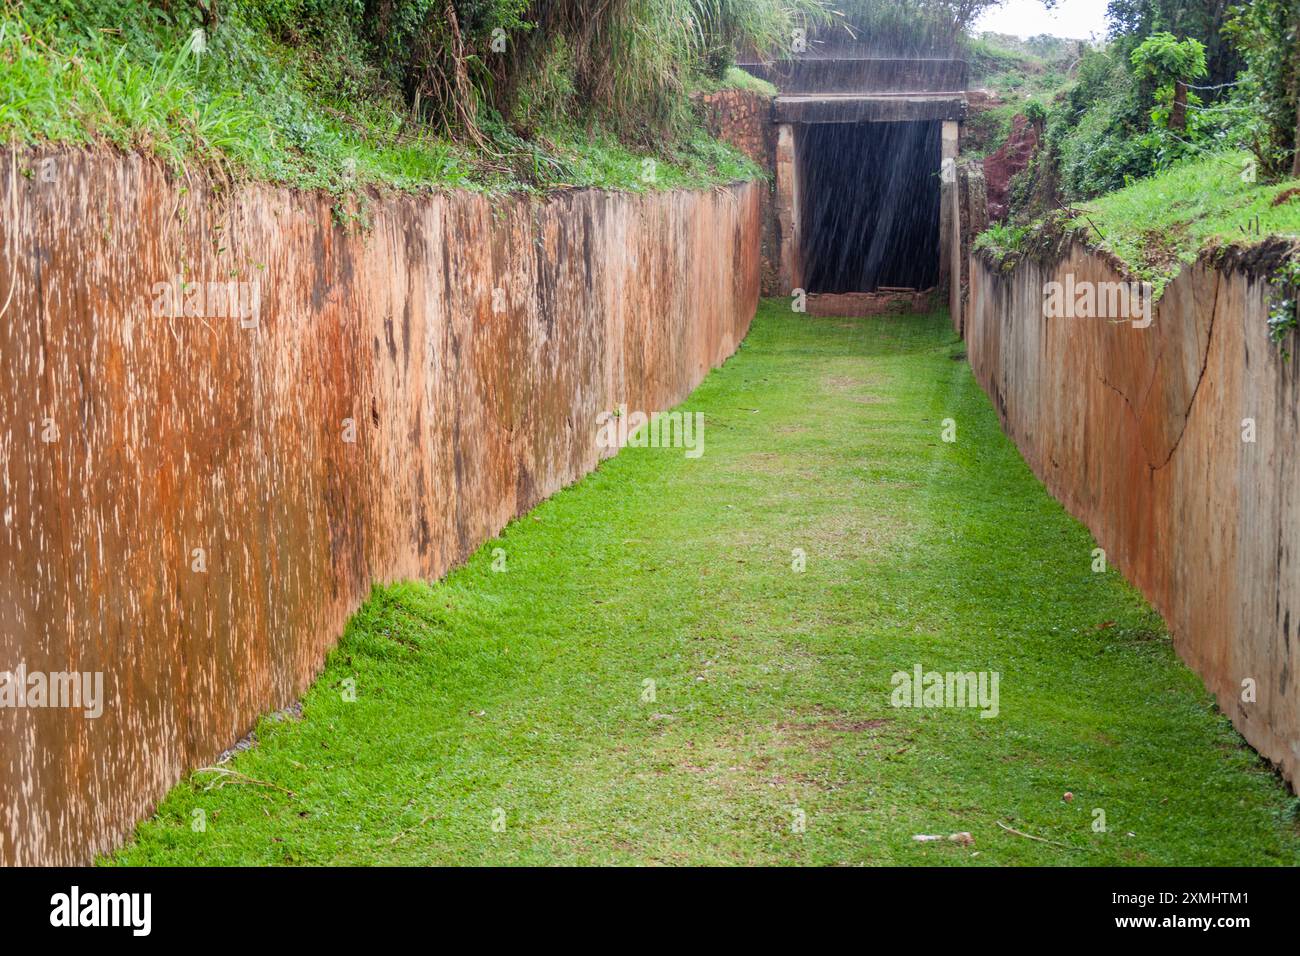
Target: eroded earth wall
[(1176, 445), (193, 504)]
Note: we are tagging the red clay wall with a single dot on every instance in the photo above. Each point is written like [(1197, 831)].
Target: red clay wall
[(183, 433), (1139, 433), (743, 118)]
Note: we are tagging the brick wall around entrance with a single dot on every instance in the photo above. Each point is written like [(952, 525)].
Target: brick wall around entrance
[(743, 118)]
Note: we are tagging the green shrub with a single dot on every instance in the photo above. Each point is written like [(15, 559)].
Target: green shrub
[(298, 91), (1282, 315), (1171, 64), (1096, 133), (1002, 241), (1114, 126), (1266, 33)]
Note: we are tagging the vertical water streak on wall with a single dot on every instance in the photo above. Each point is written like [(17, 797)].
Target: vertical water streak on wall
[(469, 342)]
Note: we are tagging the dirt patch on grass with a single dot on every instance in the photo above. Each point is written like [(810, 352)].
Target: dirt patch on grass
[(841, 383), (822, 719), (1162, 248), (850, 388), (859, 726), (767, 461), (1286, 195), (833, 537)]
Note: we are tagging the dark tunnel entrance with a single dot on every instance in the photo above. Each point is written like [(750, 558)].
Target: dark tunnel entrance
[(870, 198)]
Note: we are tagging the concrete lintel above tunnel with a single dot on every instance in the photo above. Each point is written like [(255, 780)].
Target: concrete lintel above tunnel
[(868, 108)]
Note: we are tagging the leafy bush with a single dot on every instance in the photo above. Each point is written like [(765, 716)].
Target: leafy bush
[(986, 130), (1001, 240), (630, 63), (1117, 123), (1036, 113), (1096, 133), (1133, 21), (1171, 63), (1282, 316), (1266, 33)]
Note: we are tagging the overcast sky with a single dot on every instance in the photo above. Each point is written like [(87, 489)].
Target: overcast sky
[(1076, 19)]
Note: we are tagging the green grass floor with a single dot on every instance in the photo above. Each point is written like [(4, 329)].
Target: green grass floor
[(501, 717)]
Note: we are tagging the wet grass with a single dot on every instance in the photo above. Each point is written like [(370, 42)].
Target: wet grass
[(239, 102), (520, 698), (1159, 224)]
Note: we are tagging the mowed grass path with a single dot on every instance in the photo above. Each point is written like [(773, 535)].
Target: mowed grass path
[(518, 697)]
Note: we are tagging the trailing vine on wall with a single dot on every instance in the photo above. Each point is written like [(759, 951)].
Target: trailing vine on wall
[(1282, 315)]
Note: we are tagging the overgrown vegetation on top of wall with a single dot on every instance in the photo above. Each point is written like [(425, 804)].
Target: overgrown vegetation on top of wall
[(1025, 76), (1179, 132), (1160, 223), (336, 94), (1175, 79), (1268, 34)]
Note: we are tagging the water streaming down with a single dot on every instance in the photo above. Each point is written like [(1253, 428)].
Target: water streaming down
[(870, 196)]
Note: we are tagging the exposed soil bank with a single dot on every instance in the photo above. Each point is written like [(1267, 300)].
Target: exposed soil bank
[(1143, 434), (401, 396)]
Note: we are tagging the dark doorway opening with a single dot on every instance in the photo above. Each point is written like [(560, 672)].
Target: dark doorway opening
[(870, 198)]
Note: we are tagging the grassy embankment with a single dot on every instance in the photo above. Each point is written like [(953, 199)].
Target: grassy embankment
[(521, 697), (1019, 78), (237, 98), (1158, 224)]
